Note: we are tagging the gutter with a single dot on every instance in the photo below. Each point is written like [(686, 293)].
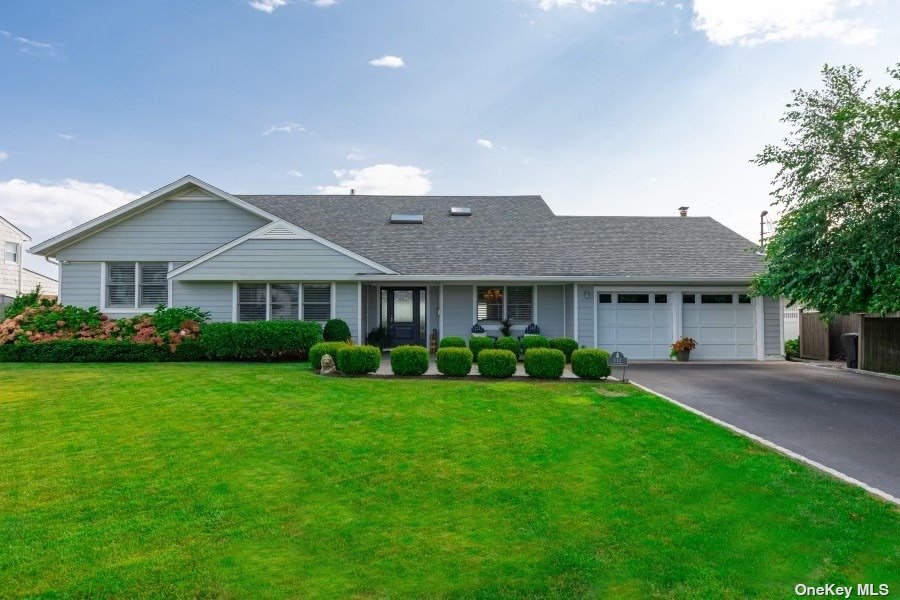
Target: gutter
[(562, 278)]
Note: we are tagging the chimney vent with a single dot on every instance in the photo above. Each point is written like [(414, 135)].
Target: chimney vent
[(352, 191), (682, 210)]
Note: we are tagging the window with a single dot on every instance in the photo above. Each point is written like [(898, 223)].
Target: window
[(316, 302), (688, 298), (633, 299), (252, 302), (716, 299), (154, 288), (120, 285), (743, 299), (11, 251), (490, 304), (604, 298), (518, 304), (660, 298), (285, 301)]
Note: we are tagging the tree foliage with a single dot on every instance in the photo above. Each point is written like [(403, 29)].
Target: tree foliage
[(837, 244)]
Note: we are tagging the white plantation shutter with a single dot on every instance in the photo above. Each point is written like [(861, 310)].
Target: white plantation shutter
[(519, 304), (120, 285), (252, 302), (316, 302), (285, 299), (490, 309), (154, 289)]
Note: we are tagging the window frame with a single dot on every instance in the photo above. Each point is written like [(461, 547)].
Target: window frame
[(139, 285), (304, 301), (504, 303), (301, 300), (16, 252), (136, 306)]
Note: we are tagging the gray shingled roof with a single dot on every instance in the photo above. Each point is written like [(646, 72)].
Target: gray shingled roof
[(517, 235)]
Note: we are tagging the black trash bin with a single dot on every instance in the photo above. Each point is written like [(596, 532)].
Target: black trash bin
[(851, 349)]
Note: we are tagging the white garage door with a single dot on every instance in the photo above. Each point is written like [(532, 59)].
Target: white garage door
[(724, 325), (637, 324)]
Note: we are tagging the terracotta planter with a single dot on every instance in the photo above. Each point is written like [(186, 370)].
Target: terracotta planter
[(684, 356)]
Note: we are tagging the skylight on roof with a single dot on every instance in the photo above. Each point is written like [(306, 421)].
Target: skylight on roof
[(407, 219), (460, 211)]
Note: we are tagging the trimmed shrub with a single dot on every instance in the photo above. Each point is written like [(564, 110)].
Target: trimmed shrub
[(452, 341), (98, 351), (260, 340), (454, 362), (534, 341), (566, 345), (321, 349), (508, 343), (497, 364), (336, 330), (544, 363), (358, 360), (479, 343), (409, 360), (590, 363)]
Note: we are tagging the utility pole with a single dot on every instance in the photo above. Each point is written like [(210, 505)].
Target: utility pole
[(762, 230)]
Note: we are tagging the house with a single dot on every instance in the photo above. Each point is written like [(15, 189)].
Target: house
[(14, 278), (425, 266)]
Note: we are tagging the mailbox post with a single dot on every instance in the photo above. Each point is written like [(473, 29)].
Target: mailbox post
[(617, 359)]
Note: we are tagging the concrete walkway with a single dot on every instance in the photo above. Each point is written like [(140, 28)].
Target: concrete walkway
[(385, 369)]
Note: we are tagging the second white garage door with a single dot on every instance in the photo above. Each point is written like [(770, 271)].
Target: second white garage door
[(724, 325), (637, 324)]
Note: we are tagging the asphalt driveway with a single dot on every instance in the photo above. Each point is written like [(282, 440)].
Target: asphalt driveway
[(844, 420)]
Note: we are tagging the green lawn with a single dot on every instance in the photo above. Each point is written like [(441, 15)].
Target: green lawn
[(266, 481)]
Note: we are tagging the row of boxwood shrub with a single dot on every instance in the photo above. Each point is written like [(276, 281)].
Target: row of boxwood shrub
[(479, 343), (257, 341)]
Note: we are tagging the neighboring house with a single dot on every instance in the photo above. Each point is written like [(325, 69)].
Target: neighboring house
[(14, 278), (425, 264)]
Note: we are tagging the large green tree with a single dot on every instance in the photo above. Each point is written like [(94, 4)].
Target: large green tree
[(837, 245)]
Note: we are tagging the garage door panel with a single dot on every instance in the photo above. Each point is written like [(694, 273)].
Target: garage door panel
[(640, 331), (722, 331), (632, 317), (690, 318), (635, 350), (717, 316), (746, 335), (746, 318), (718, 334)]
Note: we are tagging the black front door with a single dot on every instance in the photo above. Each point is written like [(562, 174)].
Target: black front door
[(405, 315)]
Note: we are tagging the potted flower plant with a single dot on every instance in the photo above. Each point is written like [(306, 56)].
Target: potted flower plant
[(682, 348)]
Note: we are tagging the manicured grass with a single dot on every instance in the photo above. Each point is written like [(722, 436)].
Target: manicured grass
[(266, 481)]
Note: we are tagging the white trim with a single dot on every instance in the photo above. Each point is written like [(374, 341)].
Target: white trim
[(596, 301), (760, 327), (170, 282), (564, 309), (441, 313), (268, 301), (427, 340), (618, 281), (299, 232), (677, 315), (359, 319), (474, 305), (102, 301), (534, 303), (575, 316), (780, 449), (89, 228), (333, 300), (781, 326), (234, 301), (300, 300)]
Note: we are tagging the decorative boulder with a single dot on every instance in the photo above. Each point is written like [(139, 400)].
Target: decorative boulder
[(327, 367)]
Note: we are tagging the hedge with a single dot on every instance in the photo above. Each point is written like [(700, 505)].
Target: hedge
[(409, 360), (566, 345), (99, 351), (454, 362), (259, 340), (508, 343), (452, 341), (534, 341), (358, 360), (544, 363), (336, 330), (321, 349), (479, 343), (590, 363), (497, 364)]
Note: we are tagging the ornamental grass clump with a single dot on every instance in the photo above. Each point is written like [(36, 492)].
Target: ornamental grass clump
[(454, 362), (497, 364)]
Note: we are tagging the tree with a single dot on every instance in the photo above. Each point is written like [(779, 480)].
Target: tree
[(837, 244)]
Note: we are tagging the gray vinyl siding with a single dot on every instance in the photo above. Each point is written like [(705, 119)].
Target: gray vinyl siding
[(550, 308), (457, 310), (80, 284), (277, 260), (569, 308), (586, 316), (433, 298), (346, 306), (176, 230), (373, 307), (215, 297), (772, 326)]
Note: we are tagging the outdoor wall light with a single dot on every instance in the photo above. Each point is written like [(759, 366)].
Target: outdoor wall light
[(587, 295)]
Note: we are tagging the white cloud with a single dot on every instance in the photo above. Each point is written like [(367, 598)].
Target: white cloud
[(486, 144), (751, 22), (391, 62), (44, 210), (356, 154), (325, 3), (31, 46), (267, 6), (295, 173), (381, 180), (65, 136), (285, 128), (588, 5), (3, 155)]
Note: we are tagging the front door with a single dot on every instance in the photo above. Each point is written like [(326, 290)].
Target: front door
[(404, 315)]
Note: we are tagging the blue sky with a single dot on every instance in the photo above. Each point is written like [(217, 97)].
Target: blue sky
[(630, 107)]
